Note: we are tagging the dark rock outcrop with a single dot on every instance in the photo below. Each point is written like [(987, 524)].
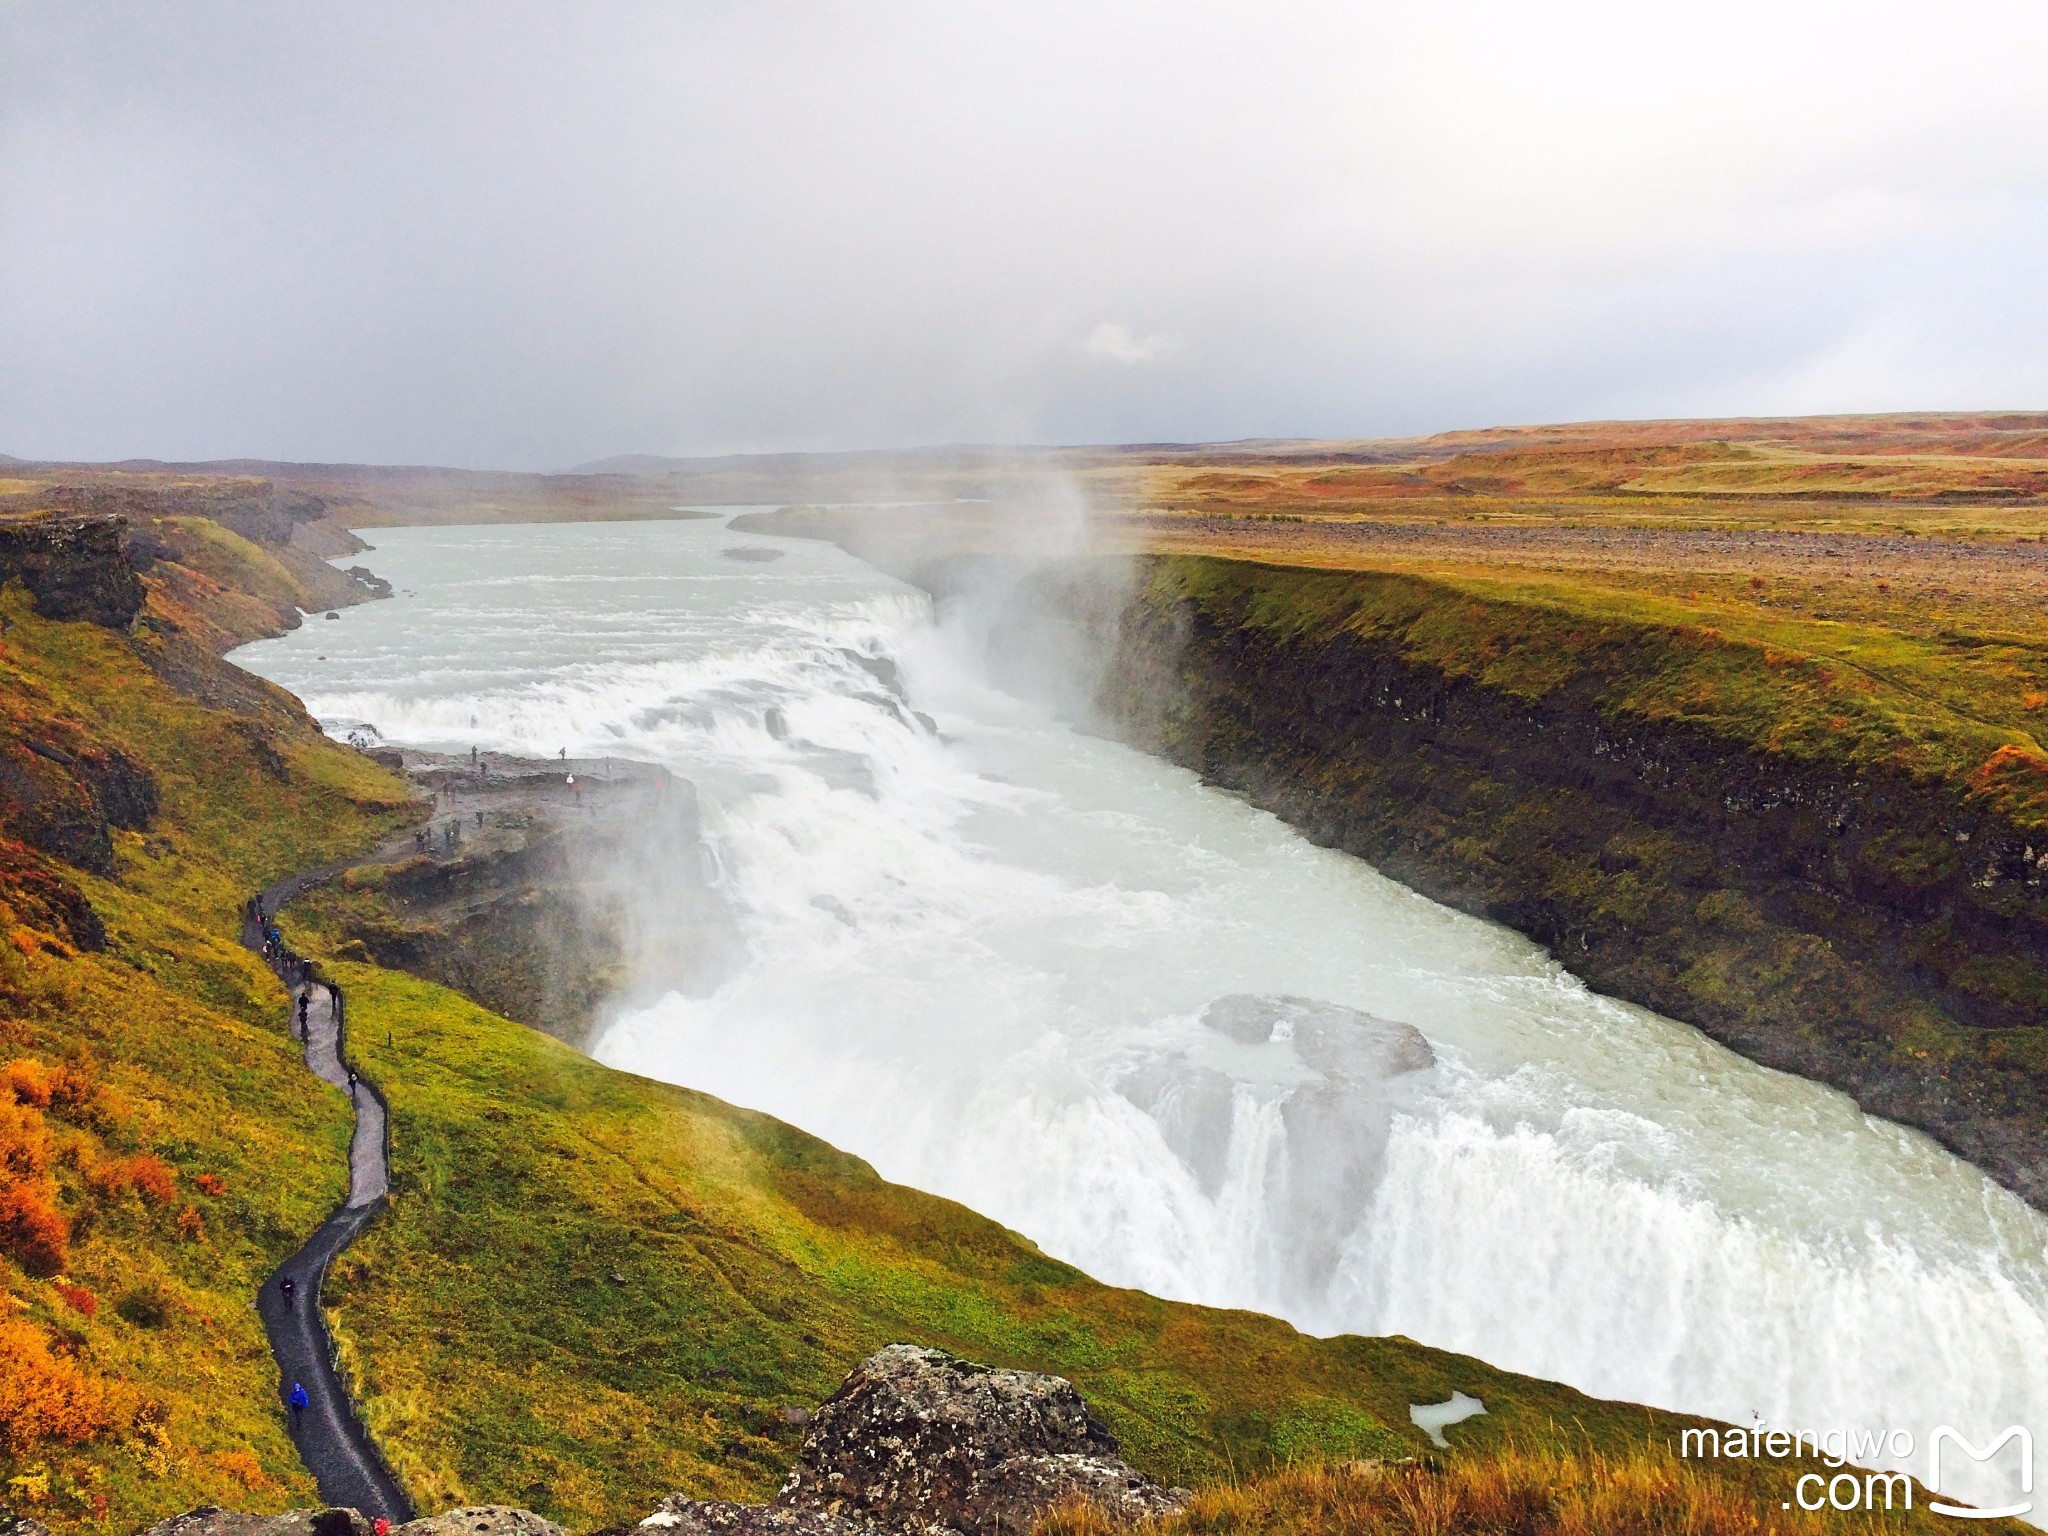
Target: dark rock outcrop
[(62, 791), (542, 904), (39, 897), (75, 566), (917, 1441)]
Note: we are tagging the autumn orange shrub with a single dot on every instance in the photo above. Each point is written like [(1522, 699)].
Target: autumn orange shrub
[(32, 1230), (153, 1178), (145, 1173), (210, 1184), (28, 1080), (24, 1140), (72, 1092), (50, 1398), (192, 1225), (243, 1466)]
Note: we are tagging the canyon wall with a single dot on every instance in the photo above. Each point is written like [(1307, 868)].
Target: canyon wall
[(1883, 932)]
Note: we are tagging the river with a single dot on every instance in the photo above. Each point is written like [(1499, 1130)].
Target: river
[(982, 949)]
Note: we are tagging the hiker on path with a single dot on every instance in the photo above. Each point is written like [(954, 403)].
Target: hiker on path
[(305, 1001), (286, 1286), (351, 1087), (298, 1400)]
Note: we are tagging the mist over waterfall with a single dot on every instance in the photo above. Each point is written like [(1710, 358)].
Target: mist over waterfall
[(1022, 966)]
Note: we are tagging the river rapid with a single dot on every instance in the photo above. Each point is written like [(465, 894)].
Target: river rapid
[(1119, 1011)]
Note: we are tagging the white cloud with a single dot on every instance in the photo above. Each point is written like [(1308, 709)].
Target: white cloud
[(1116, 343)]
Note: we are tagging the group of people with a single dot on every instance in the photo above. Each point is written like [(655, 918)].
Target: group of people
[(294, 970), (423, 839)]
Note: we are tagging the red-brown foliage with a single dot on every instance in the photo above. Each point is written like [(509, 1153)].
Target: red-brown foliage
[(32, 1230), (145, 1173), (79, 1299), (210, 1184), (192, 1225), (153, 1178)]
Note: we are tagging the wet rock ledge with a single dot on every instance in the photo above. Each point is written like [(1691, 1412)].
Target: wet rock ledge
[(546, 890)]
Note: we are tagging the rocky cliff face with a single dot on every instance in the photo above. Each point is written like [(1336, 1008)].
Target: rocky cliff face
[(64, 790), (543, 905), (75, 566), (1880, 933)]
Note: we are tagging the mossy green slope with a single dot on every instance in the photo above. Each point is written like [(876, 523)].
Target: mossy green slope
[(181, 1034), (1858, 695)]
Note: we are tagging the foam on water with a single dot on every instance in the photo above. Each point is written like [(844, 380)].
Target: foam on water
[(981, 958)]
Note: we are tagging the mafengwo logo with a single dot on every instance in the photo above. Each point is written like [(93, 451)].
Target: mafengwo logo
[(1944, 1435)]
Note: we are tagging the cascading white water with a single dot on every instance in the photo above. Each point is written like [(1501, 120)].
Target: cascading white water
[(987, 956)]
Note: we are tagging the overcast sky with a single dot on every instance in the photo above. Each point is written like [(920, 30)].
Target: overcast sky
[(529, 235)]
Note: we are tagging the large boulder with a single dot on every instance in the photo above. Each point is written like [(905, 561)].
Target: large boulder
[(917, 1441), (481, 1520), (678, 1516)]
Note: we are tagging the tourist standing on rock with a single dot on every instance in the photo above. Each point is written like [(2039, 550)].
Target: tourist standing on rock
[(298, 1400)]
